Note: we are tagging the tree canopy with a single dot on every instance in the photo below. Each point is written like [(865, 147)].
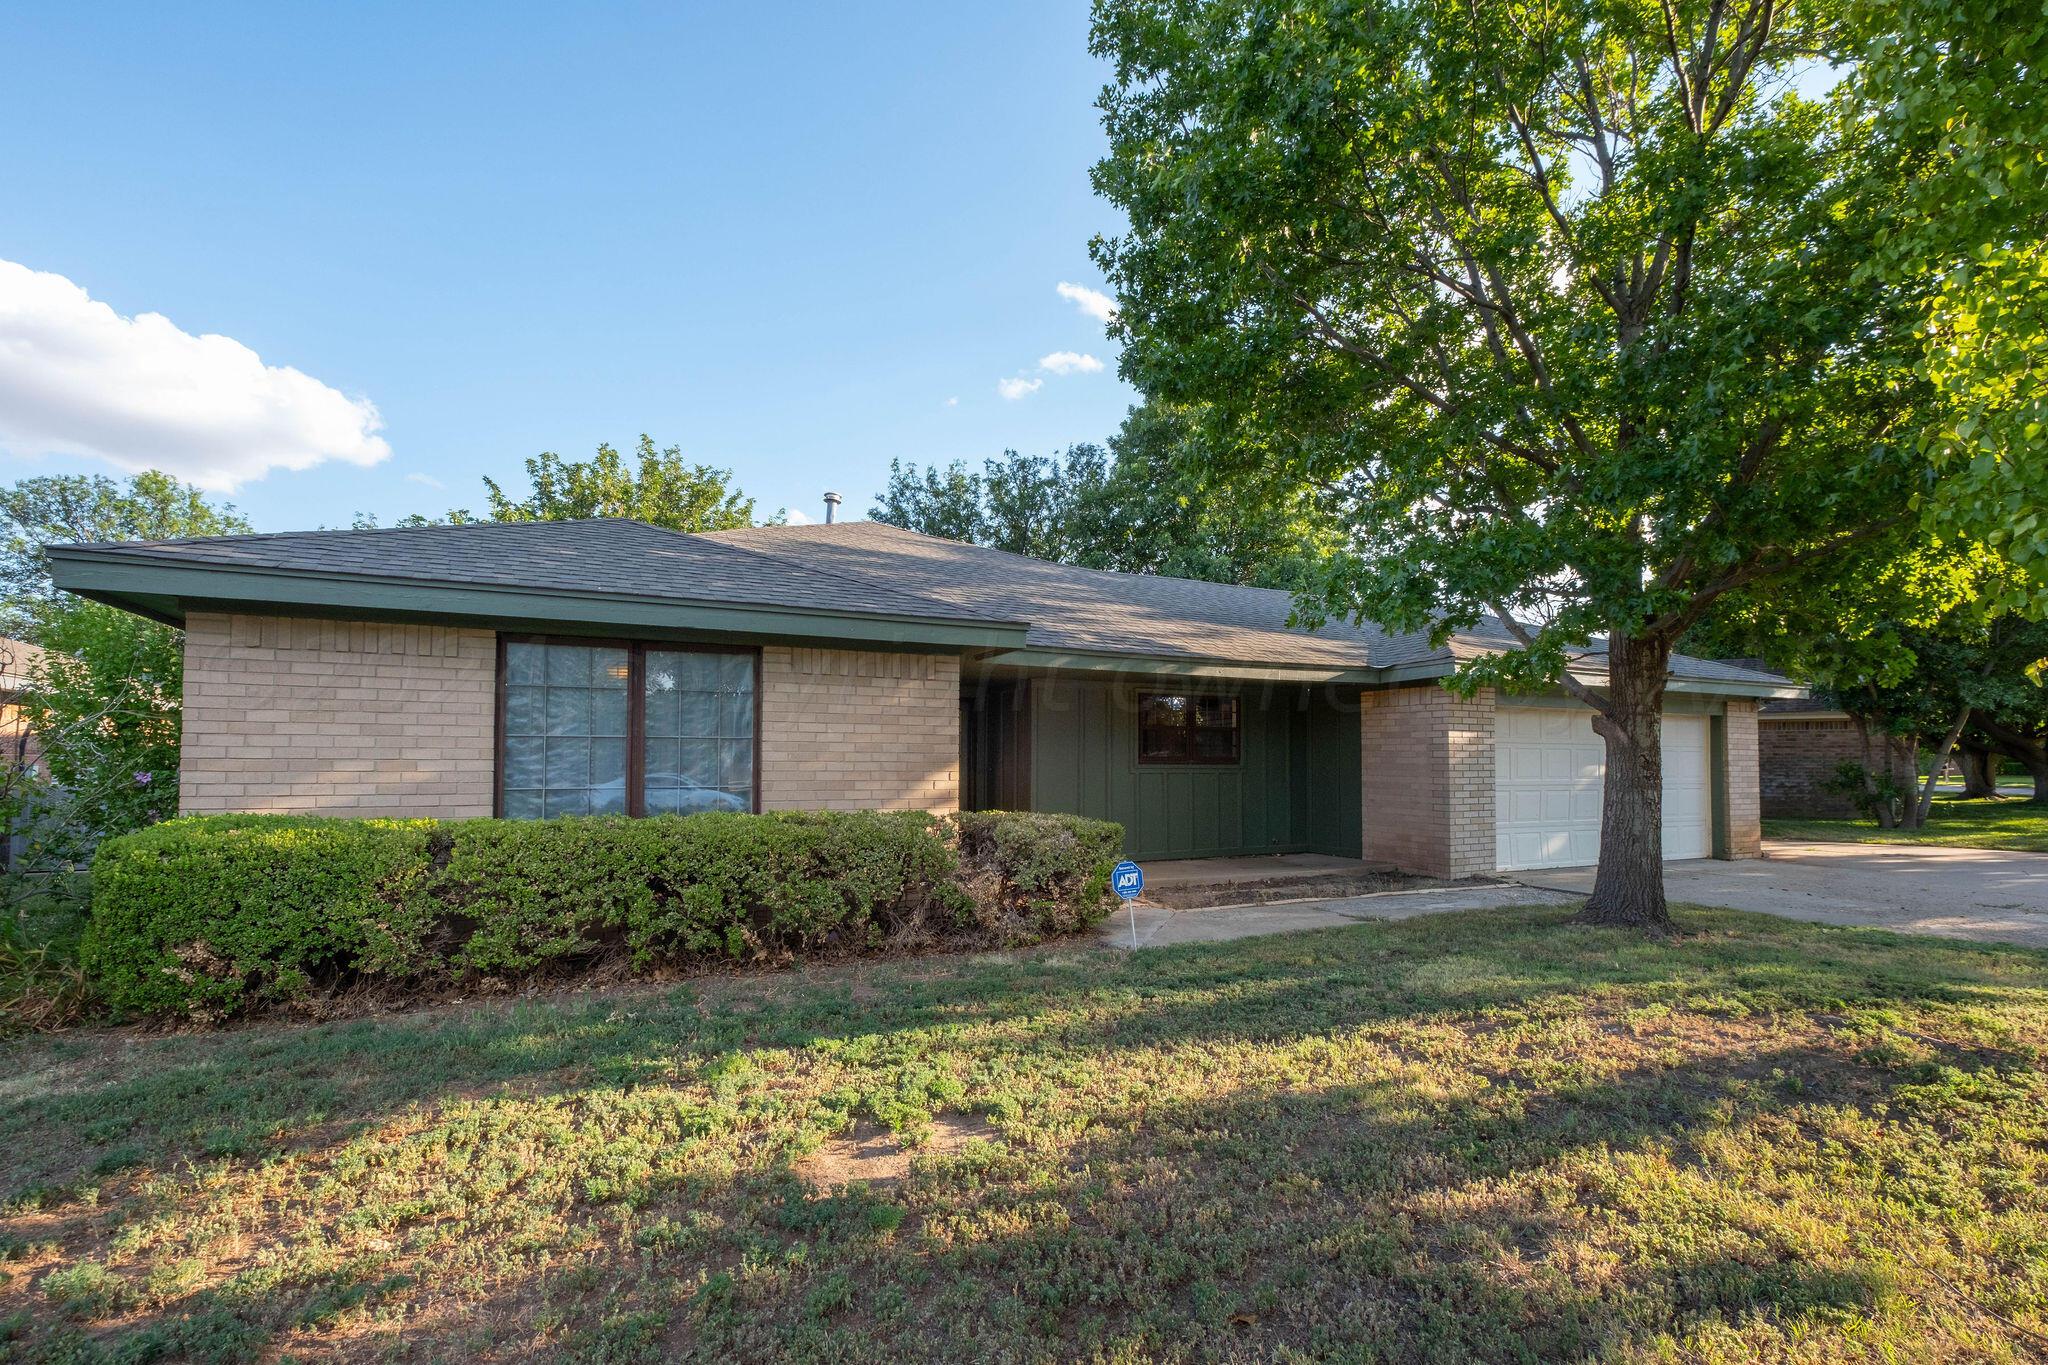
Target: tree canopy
[(659, 487), (1586, 315), (1134, 508), (103, 702), (70, 508)]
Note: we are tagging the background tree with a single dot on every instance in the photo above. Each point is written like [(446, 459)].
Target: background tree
[(103, 701), (661, 487), (104, 707), (1137, 508), (1911, 637), (1871, 631), (1570, 306), (68, 509)]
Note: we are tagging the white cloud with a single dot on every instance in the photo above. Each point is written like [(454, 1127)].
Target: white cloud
[(1093, 302), (1019, 387), (796, 518), (428, 479), (1069, 362), (952, 402), (77, 378)]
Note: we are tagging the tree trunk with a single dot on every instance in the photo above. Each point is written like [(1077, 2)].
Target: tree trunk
[(1948, 744), (1880, 807), (2023, 749), (1905, 761), (1980, 777), (1628, 887)]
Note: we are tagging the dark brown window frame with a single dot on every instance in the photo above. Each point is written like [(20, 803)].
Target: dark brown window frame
[(1189, 758), (636, 707)]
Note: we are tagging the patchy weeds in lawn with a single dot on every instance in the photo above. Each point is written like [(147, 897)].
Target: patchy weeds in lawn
[(1490, 1136)]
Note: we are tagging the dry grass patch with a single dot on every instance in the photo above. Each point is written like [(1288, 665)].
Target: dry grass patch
[(871, 1154)]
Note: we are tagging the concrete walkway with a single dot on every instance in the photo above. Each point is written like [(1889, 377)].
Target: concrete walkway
[(1951, 892), (1158, 927)]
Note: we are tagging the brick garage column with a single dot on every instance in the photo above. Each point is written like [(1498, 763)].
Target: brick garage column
[(313, 717), (846, 729), (1742, 807), (1427, 767)]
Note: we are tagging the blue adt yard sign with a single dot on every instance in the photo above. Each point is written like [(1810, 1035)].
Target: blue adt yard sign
[(1127, 879)]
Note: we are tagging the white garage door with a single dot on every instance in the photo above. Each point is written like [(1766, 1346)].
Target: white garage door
[(1548, 774)]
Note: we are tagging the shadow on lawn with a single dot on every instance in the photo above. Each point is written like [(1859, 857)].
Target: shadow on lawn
[(1387, 1217), (251, 1091), (1361, 1220)]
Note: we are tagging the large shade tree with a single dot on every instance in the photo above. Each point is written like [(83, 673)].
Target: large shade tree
[(1571, 304)]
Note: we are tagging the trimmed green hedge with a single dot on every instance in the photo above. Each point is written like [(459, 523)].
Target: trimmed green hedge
[(212, 916)]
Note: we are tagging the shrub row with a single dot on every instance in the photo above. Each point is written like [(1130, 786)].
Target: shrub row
[(212, 916)]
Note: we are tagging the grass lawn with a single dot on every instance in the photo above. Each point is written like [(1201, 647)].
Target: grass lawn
[(1487, 1136), (2004, 823)]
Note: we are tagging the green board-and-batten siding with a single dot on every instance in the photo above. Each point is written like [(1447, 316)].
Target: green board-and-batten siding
[(1072, 745)]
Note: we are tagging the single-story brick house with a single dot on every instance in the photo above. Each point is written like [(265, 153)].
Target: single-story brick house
[(533, 669)]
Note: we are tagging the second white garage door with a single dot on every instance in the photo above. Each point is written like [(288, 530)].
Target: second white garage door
[(1549, 768)]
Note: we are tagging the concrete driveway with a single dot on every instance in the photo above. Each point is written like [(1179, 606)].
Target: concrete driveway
[(1953, 892)]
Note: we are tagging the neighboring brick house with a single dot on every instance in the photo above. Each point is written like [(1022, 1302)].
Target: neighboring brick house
[(21, 753), (545, 668), (1802, 744), (18, 746)]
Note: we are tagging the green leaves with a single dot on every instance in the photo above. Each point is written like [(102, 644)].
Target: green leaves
[(1151, 504), (1954, 88), (209, 917), (661, 489), (1572, 310), (74, 508)]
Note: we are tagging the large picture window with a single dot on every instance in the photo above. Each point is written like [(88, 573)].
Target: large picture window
[(624, 729), (1177, 728)]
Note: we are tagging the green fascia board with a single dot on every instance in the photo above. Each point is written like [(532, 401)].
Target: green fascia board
[(1072, 661), (162, 591), (1717, 687)]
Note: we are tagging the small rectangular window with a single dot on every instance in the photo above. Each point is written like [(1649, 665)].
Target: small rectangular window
[(1177, 728), (624, 729)]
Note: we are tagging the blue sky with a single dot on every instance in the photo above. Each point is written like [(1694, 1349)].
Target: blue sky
[(781, 237)]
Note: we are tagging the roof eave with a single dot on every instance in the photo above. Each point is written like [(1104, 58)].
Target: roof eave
[(164, 591), (1431, 669), (1176, 666)]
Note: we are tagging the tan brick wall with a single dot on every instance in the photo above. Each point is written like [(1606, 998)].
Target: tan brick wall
[(1745, 833), (1428, 775), (845, 729), (1797, 757), (337, 717)]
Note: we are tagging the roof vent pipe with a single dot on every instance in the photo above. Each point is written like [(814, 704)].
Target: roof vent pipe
[(832, 501)]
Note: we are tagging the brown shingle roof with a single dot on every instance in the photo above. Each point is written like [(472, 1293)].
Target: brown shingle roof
[(1084, 610), (864, 568), (596, 555)]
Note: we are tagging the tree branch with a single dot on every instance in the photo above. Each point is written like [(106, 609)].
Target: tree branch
[(1573, 687)]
